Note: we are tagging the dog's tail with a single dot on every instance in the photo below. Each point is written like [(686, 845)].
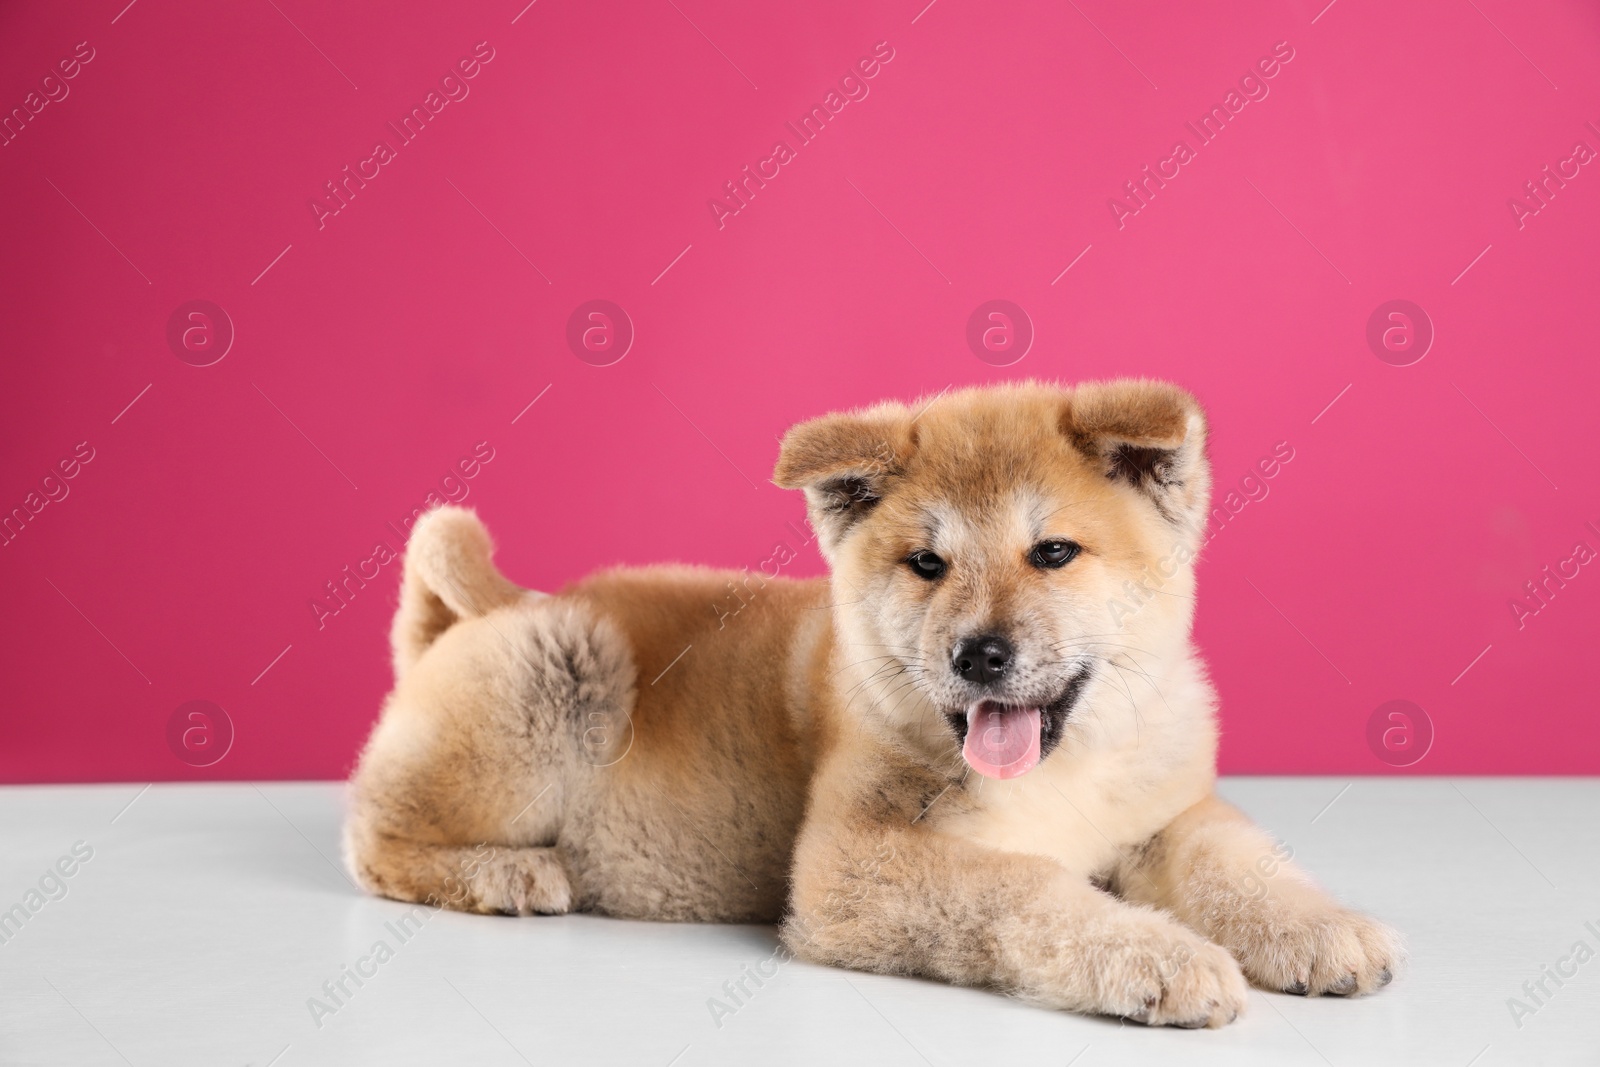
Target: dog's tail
[(449, 576)]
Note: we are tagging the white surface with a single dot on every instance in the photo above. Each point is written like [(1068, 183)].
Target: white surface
[(209, 914)]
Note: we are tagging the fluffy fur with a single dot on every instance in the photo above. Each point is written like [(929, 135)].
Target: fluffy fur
[(626, 748)]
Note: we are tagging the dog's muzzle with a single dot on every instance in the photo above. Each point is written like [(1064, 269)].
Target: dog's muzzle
[(1001, 740)]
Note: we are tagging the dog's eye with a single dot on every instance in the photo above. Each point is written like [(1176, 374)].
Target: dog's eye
[(925, 564), (1048, 555)]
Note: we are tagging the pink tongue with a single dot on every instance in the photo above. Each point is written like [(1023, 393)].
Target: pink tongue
[(1002, 742)]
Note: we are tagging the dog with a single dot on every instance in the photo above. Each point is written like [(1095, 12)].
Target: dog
[(983, 751)]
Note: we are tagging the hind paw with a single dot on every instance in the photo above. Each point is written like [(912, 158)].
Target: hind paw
[(522, 881)]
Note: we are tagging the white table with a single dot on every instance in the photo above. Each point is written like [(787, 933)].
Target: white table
[(208, 915)]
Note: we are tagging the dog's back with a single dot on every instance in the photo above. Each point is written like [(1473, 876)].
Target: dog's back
[(643, 734)]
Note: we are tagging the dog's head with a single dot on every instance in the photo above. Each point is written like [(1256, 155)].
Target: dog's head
[(997, 551)]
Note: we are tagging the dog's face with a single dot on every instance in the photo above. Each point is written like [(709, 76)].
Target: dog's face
[(1000, 554)]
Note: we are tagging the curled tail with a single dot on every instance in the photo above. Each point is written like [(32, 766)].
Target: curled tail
[(449, 576)]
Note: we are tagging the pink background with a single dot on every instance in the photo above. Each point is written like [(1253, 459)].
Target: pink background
[(375, 352)]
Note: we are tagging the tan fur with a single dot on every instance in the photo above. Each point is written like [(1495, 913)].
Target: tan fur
[(630, 747)]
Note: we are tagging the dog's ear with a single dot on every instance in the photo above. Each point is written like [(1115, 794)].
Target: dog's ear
[(1149, 436), (845, 463)]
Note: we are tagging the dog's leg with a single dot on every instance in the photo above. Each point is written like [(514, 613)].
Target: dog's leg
[(487, 747), (914, 901), (486, 878), (1226, 879)]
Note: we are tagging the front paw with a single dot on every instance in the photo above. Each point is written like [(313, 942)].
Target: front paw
[(1165, 976), (1318, 949)]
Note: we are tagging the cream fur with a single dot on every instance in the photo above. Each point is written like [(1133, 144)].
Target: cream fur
[(627, 748)]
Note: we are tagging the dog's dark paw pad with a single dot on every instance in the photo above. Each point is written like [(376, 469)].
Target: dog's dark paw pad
[(1385, 977), (1299, 989), (1344, 986)]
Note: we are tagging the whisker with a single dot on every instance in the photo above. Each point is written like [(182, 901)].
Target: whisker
[(878, 706), (1149, 680), (857, 663), (894, 668)]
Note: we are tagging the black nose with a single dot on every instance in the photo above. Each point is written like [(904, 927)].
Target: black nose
[(982, 659)]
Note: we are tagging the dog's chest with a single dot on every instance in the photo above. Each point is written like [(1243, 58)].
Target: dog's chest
[(1084, 812)]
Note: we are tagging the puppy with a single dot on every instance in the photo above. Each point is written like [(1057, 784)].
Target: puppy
[(982, 752)]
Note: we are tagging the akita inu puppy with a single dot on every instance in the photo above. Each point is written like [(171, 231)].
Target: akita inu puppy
[(979, 753)]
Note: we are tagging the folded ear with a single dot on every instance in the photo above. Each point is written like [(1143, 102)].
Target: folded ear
[(845, 463), (1149, 436)]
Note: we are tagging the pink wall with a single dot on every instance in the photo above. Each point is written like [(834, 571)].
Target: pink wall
[(373, 349)]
